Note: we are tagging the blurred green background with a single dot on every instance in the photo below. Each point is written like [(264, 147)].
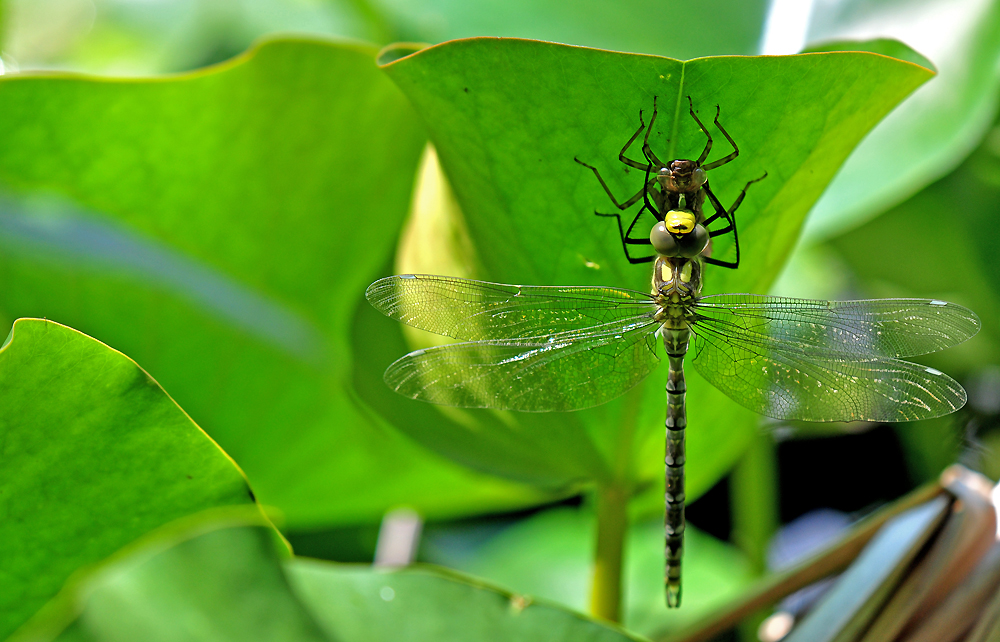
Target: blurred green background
[(221, 232)]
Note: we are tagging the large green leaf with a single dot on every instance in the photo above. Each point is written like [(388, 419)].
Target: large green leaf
[(356, 603), (921, 254), (507, 118), (95, 454), (220, 227), (217, 578), (550, 555), (933, 131), (213, 576)]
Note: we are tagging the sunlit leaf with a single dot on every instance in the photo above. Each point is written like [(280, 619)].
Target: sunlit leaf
[(931, 132), (95, 455), (220, 227), (508, 117), (221, 579), (549, 555)]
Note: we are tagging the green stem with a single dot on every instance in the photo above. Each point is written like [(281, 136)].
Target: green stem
[(612, 523), (754, 490), (612, 496)]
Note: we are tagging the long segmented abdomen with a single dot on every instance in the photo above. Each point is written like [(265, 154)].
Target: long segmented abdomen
[(676, 344)]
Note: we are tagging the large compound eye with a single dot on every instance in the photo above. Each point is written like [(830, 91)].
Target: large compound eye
[(663, 241), (692, 244)]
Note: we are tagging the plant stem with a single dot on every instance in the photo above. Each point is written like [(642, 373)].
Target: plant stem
[(754, 490), (612, 495), (612, 523)]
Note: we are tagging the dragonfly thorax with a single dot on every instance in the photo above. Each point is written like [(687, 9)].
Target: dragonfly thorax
[(676, 281)]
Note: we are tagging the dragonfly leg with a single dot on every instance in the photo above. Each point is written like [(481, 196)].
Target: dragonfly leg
[(708, 144), (627, 238), (743, 193), (630, 202), (657, 196), (725, 159), (731, 227), (720, 211), (626, 235), (621, 154), (730, 216), (647, 151)]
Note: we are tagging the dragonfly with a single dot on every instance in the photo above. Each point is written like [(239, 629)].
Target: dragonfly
[(678, 184), (537, 348)]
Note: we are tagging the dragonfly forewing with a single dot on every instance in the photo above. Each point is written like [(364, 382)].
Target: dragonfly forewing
[(830, 361), (480, 311), (852, 329)]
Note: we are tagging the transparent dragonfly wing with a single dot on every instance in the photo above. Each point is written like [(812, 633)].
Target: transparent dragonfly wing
[(830, 361), (565, 371), (866, 328), (481, 311)]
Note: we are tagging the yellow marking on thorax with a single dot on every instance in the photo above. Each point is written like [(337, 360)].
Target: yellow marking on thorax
[(666, 271), (686, 272)]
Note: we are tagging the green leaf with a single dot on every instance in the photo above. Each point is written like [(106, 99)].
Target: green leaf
[(218, 577), (929, 134), (508, 117), (908, 237), (968, 273), (550, 554), (95, 455), (507, 122), (212, 576), (881, 46), (423, 603), (220, 227)]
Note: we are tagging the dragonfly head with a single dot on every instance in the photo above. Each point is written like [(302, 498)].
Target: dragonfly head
[(681, 176), (679, 234)]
